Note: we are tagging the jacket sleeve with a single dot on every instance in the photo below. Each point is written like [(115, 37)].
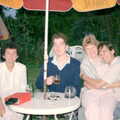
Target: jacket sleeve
[(39, 81), (50, 71)]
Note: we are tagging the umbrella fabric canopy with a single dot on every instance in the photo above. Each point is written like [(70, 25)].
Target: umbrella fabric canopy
[(12, 3), (90, 5), (56, 5)]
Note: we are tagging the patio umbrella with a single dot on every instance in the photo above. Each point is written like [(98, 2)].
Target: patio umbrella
[(57, 5), (53, 5)]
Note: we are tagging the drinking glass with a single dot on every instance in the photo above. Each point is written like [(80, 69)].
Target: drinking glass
[(70, 92), (57, 79), (53, 95)]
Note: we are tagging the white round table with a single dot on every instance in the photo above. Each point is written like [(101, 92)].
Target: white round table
[(39, 106)]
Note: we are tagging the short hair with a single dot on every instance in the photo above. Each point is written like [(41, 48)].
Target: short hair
[(106, 44), (90, 39), (10, 45), (60, 35)]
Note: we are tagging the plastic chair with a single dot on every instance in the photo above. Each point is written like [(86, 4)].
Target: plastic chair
[(74, 51), (116, 113)]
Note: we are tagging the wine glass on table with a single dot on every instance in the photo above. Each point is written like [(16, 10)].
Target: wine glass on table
[(57, 79), (70, 92)]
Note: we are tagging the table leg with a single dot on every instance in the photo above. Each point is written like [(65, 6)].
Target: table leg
[(28, 116), (71, 115), (55, 117)]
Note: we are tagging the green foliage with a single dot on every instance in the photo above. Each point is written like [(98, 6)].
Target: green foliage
[(33, 72), (28, 29)]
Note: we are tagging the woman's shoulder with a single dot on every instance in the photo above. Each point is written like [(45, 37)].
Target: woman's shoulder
[(118, 58), (2, 64), (20, 65)]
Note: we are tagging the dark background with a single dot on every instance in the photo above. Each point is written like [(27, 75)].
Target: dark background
[(27, 30)]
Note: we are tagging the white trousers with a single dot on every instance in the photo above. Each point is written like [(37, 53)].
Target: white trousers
[(99, 104)]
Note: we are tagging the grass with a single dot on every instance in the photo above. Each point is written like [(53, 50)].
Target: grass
[(32, 72)]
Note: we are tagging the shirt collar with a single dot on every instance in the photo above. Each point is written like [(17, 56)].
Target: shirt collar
[(54, 61)]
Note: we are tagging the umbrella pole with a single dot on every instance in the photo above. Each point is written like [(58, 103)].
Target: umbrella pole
[(46, 51), (46, 47)]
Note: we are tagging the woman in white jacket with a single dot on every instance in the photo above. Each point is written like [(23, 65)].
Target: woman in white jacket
[(13, 78)]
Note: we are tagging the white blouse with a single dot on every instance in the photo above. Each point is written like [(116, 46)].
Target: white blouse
[(14, 81), (113, 73)]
